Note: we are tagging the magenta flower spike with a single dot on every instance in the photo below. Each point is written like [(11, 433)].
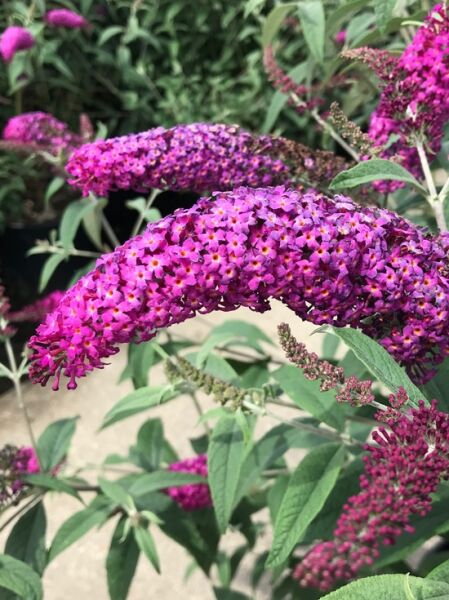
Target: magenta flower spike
[(63, 17), (415, 100), (401, 473), (329, 260), (40, 131), (198, 157), (14, 39)]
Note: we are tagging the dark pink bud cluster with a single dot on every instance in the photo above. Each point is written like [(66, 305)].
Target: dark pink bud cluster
[(63, 17), (415, 102), (14, 39), (41, 131), (14, 464), (329, 260), (400, 475), (198, 157), (36, 312), (192, 496)]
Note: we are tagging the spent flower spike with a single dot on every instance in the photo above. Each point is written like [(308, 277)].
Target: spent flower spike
[(329, 260), (192, 496), (401, 473)]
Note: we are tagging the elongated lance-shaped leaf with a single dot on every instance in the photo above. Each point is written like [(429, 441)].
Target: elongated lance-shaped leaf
[(225, 457), (307, 491)]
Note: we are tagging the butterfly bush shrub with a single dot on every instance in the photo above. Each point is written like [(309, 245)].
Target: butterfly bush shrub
[(344, 221)]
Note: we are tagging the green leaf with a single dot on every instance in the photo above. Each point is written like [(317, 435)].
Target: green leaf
[(274, 498), (71, 220), (312, 17), (378, 361), (26, 542), (330, 346), (141, 357), (225, 457), (158, 480), (347, 484), (387, 587), (383, 10), (227, 594), (307, 491), (19, 578), (440, 573), (54, 443), (150, 443), (274, 21), (196, 532), (121, 562), (54, 186), (435, 523), (375, 169), (50, 266), (437, 389), (79, 524), (307, 395), (108, 33), (146, 543), (232, 333), (267, 451), (92, 223), (117, 494), (47, 482), (139, 401)]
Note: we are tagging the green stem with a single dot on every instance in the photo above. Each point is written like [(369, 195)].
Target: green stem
[(109, 231), (141, 217), (435, 199), (19, 396), (330, 435), (18, 102)]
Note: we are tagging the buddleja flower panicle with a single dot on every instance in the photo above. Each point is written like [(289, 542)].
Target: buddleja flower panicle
[(329, 260), (40, 131), (401, 473), (414, 105), (13, 40)]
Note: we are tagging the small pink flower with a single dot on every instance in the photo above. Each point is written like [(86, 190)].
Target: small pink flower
[(62, 17), (13, 40)]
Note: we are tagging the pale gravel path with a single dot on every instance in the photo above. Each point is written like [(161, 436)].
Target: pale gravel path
[(79, 572)]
